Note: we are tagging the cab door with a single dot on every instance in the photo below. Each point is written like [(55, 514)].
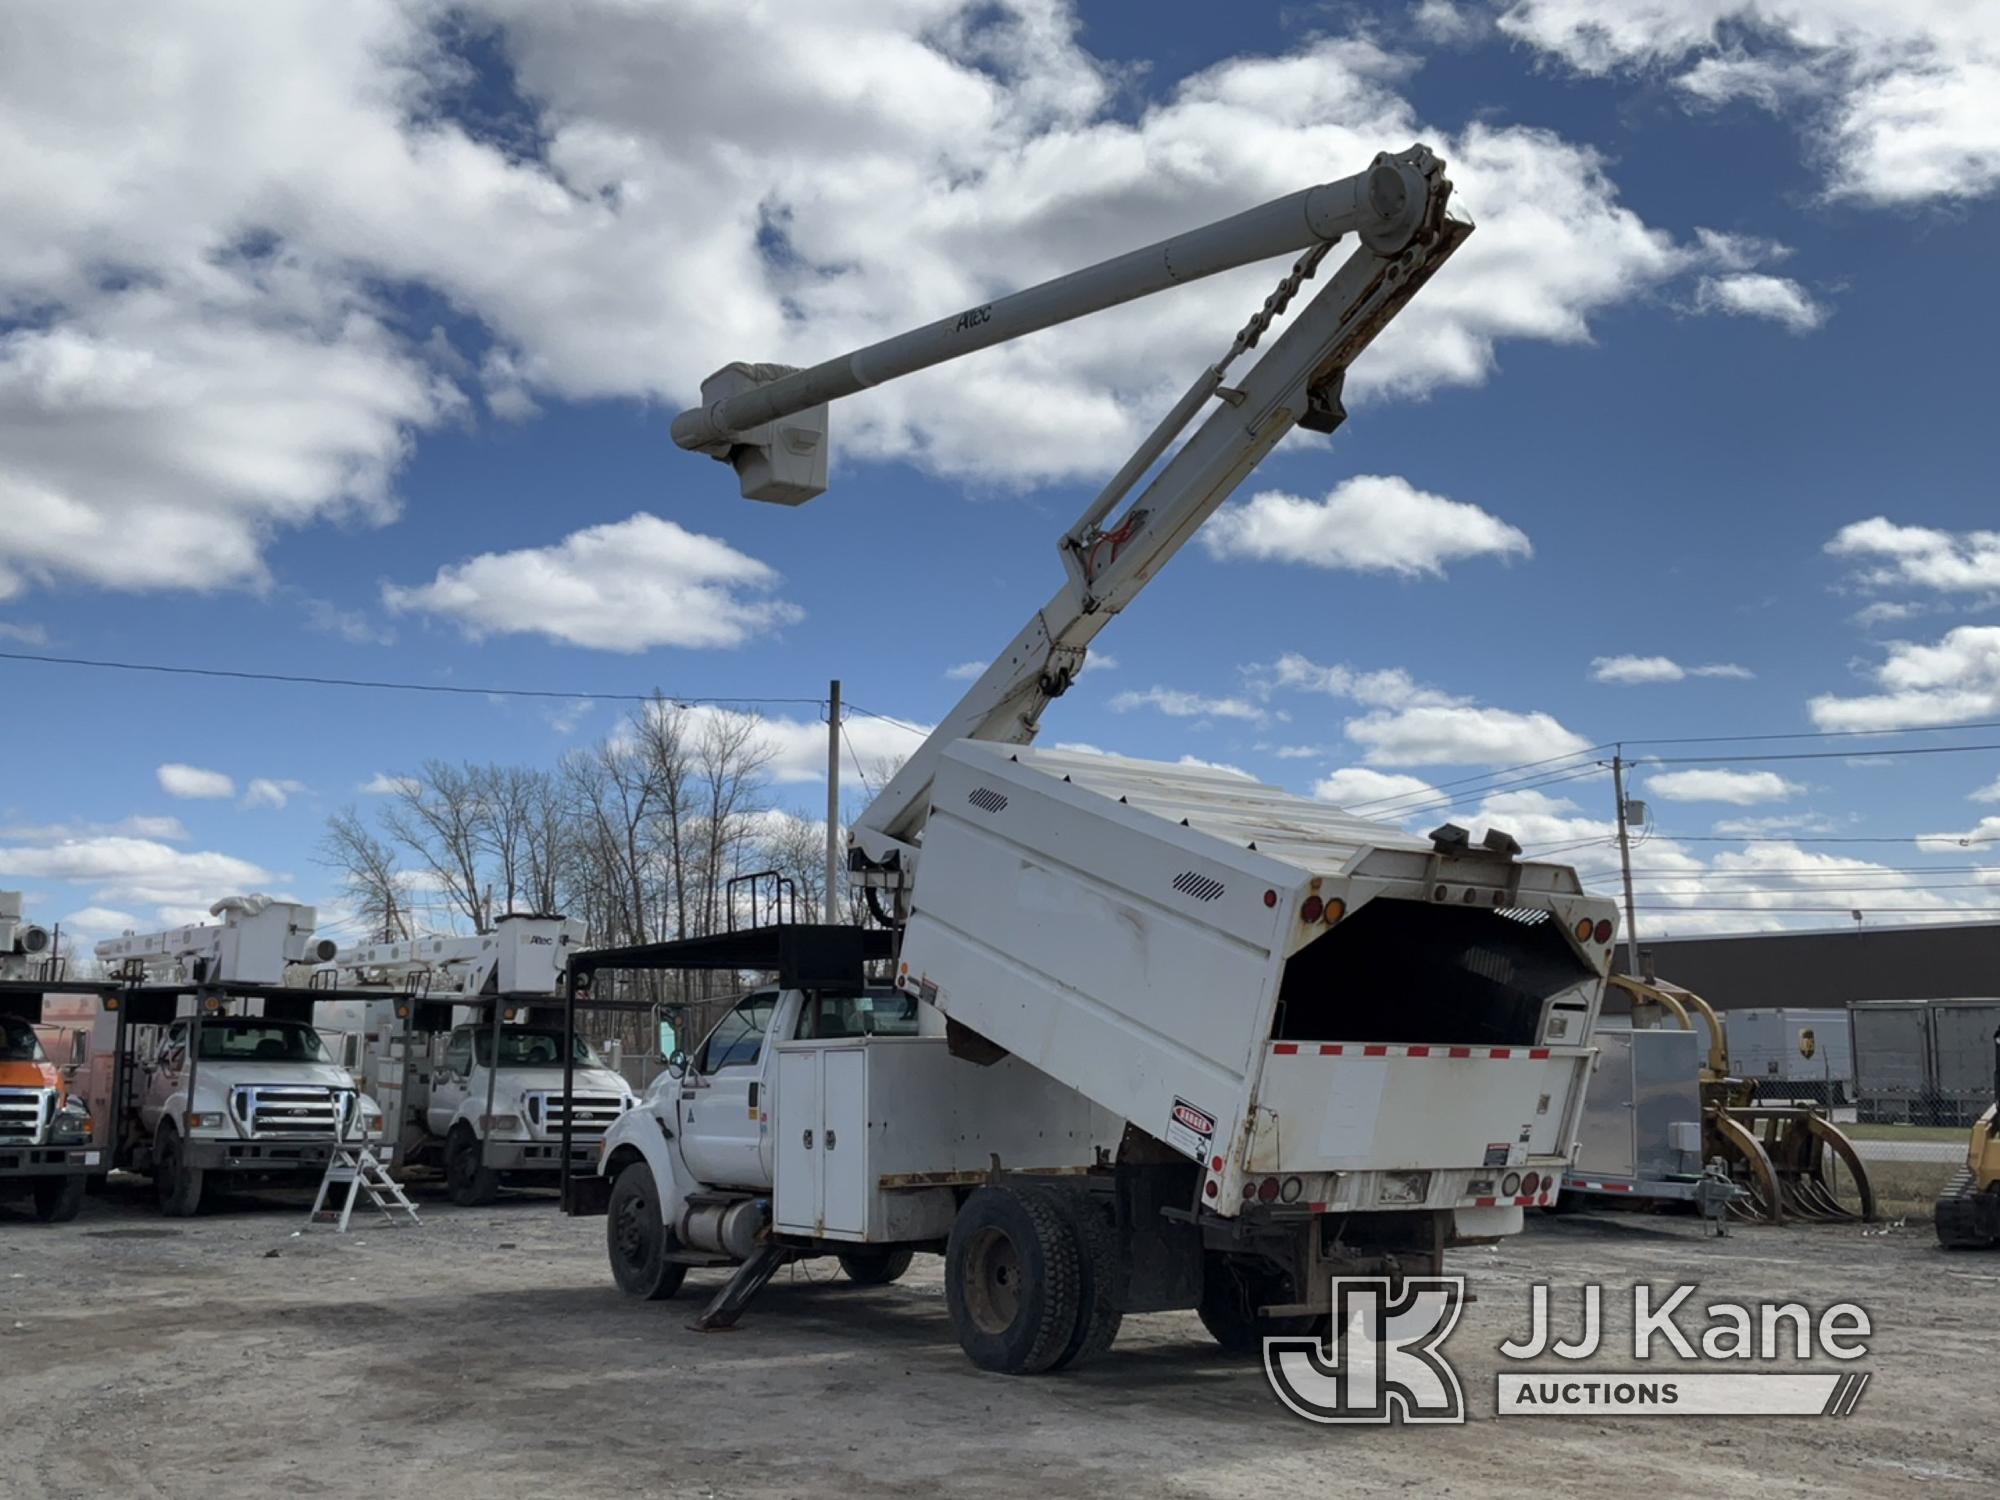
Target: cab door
[(723, 1104), (450, 1081)]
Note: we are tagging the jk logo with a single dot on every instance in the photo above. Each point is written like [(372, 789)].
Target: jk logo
[(1382, 1363)]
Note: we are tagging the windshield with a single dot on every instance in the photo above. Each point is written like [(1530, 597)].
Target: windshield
[(254, 1039), (530, 1047), (17, 1041)]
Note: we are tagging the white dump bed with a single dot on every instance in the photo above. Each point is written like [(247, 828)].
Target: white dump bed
[(1158, 937)]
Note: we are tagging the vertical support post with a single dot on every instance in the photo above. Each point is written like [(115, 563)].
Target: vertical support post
[(492, 1079), (569, 1079), (832, 913), (121, 1041), (194, 1059), (1625, 862)]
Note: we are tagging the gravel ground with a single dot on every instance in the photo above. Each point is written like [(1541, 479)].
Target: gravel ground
[(486, 1353)]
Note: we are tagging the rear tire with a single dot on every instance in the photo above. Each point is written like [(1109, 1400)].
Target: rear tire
[(469, 1182), (176, 1183), (58, 1199), (1100, 1279), (873, 1267), (1232, 1292), (1011, 1280), (637, 1238)]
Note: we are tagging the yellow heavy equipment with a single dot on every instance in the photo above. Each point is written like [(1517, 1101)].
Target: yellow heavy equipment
[(1791, 1160), (1968, 1212)]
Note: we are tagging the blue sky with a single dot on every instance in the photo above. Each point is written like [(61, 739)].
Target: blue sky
[(329, 339)]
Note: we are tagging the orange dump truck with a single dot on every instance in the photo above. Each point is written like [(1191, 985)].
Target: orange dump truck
[(46, 1145)]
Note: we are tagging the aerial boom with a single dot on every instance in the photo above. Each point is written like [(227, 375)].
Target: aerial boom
[(1397, 209)]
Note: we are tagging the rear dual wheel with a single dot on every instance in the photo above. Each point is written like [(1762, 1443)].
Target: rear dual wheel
[(1032, 1279), (1232, 1292)]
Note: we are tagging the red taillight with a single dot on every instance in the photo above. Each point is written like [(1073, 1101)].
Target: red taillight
[(1270, 898), (1604, 930), (1249, 1191), (1267, 1190), (1531, 1184), (1311, 910), (1209, 1188)]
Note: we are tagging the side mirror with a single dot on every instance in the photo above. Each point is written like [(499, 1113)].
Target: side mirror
[(678, 1065)]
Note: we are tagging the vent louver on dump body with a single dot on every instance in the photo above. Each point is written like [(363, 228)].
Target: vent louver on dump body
[(1527, 916), (1201, 887), (986, 799)]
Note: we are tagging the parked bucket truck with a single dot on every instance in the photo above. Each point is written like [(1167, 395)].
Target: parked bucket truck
[(209, 1069), (449, 1007), (1154, 1036)]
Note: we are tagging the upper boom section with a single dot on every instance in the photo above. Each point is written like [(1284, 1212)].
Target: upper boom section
[(523, 955), (743, 420), (256, 941)]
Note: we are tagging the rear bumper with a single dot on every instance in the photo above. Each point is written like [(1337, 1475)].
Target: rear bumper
[(1632, 1187), (53, 1161)]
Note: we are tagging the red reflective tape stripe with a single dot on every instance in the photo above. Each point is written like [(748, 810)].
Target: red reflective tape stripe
[(1619, 1187), (1538, 1052), (1285, 1049), (1374, 1051), (1501, 1052), (1420, 1052), (1460, 1052), (1483, 1202), (1315, 1208), (1329, 1049), (1523, 1202)]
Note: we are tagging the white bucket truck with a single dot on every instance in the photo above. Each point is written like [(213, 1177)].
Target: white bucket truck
[(1158, 1037), (449, 1007), (206, 1065)]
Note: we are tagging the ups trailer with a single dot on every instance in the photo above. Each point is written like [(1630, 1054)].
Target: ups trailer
[(1801, 1054)]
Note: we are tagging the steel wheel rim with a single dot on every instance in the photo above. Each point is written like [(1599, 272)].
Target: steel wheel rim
[(992, 1281), (630, 1232)]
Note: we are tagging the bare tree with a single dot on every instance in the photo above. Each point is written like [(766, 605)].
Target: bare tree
[(368, 876), (440, 817)]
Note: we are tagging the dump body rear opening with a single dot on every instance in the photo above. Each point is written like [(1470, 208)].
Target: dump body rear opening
[(1407, 972)]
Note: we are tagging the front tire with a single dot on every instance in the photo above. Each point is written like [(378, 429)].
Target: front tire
[(1011, 1280), (58, 1199), (177, 1183), (469, 1181), (873, 1267), (637, 1238)]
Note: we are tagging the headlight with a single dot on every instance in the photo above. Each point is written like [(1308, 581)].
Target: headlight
[(500, 1124), (72, 1121), (206, 1122)]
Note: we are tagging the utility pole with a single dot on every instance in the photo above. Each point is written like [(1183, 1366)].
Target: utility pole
[(1625, 861), (833, 801)]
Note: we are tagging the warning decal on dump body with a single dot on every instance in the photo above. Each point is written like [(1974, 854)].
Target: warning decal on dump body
[(1190, 1130)]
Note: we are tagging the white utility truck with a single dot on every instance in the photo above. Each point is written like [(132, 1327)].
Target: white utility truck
[(452, 1004), (197, 1088), (1157, 1037)]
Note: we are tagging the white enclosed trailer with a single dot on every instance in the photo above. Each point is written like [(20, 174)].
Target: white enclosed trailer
[(1326, 1047)]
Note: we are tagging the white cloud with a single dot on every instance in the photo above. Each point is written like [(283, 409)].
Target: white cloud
[(1807, 822), (1919, 557), (203, 355), (1895, 99), (795, 749), (966, 671), (1951, 681), (626, 586), (1300, 752), (1756, 294), (138, 825), (1740, 788), (1980, 838), (1183, 705), (351, 625), (1411, 724), (137, 871), (382, 784), (1884, 612), (23, 634), (1639, 669), (1462, 735), (84, 927), (1215, 765), (1362, 790), (1370, 523), (266, 791), (178, 780), (1988, 793), (565, 718)]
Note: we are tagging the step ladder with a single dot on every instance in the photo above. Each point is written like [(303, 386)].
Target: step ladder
[(358, 1169)]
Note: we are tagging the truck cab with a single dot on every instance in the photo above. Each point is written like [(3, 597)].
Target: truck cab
[(521, 1136), (268, 1101), (45, 1130)]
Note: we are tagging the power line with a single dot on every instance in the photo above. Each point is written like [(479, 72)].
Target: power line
[(1441, 786), (1867, 908), (1812, 734), (1682, 760), (305, 680)]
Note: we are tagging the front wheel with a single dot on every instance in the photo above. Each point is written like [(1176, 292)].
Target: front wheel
[(876, 1267), (58, 1199), (638, 1239), (177, 1183), (466, 1177)]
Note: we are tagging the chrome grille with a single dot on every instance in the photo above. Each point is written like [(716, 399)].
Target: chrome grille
[(25, 1115), (293, 1109), (594, 1114)]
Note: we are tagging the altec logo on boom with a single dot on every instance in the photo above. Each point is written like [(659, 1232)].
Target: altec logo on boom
[(1384, 1362)]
